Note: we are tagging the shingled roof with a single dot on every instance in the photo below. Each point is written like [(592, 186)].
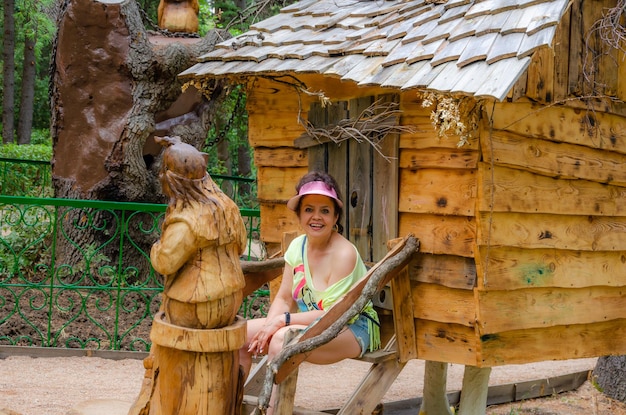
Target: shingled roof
[(478, 48)]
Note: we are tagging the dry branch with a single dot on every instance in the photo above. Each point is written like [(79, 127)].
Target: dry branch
[(257, 273), (372, 126), (334, 320), (259, 266)]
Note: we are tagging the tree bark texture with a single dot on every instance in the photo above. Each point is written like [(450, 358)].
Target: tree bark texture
[(610, 375), (8, 71), (27, 100), (114, 87)]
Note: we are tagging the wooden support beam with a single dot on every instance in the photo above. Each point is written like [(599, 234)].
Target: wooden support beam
[(435, 400)]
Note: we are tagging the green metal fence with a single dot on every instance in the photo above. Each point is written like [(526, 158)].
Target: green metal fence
[(20, 177), (77, 273)]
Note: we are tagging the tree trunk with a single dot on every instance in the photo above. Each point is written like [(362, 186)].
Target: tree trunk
[(610, 375), (223, 155), (244, 163), (27, 100), (8, 72), (114, 88)]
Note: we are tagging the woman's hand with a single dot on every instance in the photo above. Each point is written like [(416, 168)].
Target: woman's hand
[(261, 340)]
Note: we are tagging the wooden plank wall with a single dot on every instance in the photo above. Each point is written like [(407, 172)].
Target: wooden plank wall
[(438, 185), (551, 235), (547, 231), (551, 222)]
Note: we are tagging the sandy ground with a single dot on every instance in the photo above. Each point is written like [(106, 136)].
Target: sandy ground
[(52, 386)]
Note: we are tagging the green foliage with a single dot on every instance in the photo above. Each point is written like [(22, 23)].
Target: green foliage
[(33, 20), (226, 12), (41, 107), (233, 127), (207, 20), (230, 14), (40, 149), (41, 138), (149, 13), (27, 179), (23, 241)]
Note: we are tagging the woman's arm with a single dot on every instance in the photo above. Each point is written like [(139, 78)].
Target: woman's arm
[(283, 301), (276, 319)]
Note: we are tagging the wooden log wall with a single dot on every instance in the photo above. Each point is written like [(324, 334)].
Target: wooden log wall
[(438, 190), (551, 235)]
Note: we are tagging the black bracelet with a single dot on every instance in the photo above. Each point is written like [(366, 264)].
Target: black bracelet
[(287, 318)]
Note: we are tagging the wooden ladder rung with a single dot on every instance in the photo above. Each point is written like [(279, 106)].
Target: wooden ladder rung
[(378, 356), (251, 402)]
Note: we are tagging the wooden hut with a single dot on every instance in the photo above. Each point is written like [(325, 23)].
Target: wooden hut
[(506, 157)]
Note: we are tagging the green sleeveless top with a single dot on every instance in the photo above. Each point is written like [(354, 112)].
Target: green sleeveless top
[(307, 297)]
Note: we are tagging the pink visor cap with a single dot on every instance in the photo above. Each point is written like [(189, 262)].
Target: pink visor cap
[(313, 188)]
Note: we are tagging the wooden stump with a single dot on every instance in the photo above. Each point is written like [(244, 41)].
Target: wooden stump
[(177, 378), (474, 391)]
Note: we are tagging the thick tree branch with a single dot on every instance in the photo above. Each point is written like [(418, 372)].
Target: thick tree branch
[(330, 325), (257, 273)]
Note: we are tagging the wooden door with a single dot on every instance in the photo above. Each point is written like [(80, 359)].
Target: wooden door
[(368, 181)]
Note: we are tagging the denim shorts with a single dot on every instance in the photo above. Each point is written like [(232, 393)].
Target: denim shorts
[(359, 329)]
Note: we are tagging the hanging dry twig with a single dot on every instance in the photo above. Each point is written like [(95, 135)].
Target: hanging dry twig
[(371, 126), (458, 116), (611, 28), (335, 319)]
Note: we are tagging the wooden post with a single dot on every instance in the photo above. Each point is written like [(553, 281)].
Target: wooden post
[(474, 390), (435, 400), (286, 391)]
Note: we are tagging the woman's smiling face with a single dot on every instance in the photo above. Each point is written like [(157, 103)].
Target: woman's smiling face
[(317, 214)]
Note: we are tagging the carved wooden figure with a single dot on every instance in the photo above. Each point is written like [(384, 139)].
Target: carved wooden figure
[(193, 367), (178, 15)]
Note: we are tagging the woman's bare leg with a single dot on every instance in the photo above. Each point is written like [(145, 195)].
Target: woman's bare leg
[(245, 356), (342, 347)]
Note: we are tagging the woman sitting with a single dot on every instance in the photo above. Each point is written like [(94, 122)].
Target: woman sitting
[(320, 267)]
